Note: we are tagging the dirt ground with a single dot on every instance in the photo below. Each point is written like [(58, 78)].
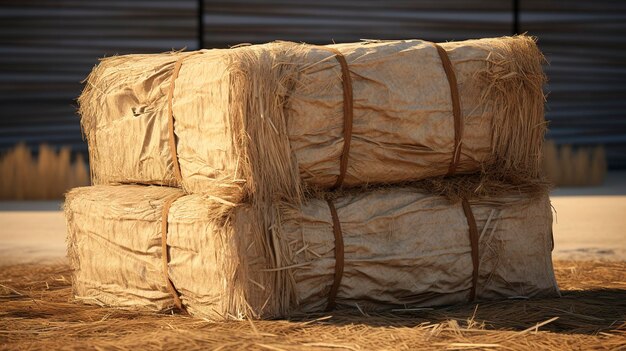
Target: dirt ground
[(37, 311), (590, 223), (31, 232)]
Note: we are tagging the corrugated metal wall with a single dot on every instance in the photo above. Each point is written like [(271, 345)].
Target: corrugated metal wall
[(585, 43), (322, 21), (47, 47)]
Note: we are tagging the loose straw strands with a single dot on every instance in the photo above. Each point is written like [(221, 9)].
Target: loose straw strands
[(41, 315), (515, 78)]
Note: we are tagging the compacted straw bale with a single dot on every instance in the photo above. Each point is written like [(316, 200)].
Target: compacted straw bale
[(400, 248), (263, 120)]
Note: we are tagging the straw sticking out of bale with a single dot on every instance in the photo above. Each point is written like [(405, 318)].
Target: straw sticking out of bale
[(515, 89)]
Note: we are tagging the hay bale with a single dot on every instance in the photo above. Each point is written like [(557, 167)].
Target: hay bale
[(402, 248), (262, 120)]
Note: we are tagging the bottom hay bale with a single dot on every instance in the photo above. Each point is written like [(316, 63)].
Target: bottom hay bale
[(401, 249)]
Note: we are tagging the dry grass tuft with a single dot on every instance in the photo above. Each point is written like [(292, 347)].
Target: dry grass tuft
[(37, 312), (583, 166), (46, 177)]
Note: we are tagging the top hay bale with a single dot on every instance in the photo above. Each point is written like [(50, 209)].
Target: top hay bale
[(272, 120)]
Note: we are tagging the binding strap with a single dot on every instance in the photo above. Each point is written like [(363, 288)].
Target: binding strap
[(348, 114), (456, 108), (339, 256), (170, 118), (473, 236), (164, 252)]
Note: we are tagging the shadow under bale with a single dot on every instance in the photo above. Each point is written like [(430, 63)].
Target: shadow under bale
[(584, 312), (37, 310)]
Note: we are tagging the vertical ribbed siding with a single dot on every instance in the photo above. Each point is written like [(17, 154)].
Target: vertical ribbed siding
[(48, 47), (324, 21), (585, 43)]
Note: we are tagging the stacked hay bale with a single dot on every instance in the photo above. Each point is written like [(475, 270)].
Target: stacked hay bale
[(296, 178)]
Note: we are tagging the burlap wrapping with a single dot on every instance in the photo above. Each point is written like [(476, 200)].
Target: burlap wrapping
[(235, 110), (402, 249)]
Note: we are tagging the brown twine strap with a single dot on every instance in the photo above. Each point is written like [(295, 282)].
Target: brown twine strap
[(165, 254), (348, 116), (456, 108), (473, 236), (339, 256), (170, 118)]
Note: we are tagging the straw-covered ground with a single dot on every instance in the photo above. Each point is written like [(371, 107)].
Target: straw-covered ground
[(37, 312)]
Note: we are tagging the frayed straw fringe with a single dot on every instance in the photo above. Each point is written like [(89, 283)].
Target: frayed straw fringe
[(516, 79), (261, 76)]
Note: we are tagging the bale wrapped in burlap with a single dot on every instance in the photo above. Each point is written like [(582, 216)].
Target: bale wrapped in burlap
[(402, 249), (115, 248), (267, 118)]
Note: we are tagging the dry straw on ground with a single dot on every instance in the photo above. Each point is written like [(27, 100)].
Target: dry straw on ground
[(45, 177), (37, 312)]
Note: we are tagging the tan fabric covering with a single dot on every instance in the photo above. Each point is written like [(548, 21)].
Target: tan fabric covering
[(403, 129), (402, 249), (407, 248), (114, 246)]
